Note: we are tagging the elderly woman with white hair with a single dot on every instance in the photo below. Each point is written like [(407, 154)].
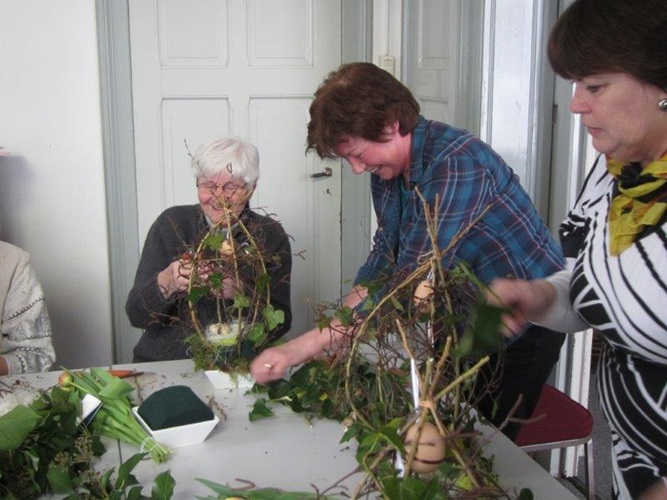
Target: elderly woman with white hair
[(226, 172)]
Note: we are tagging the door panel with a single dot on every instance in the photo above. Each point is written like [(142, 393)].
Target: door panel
[(433, 57), (306, 213), (203, 68), (178, 115)]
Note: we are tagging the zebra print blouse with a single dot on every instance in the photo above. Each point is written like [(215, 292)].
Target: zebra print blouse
[(624, 297)]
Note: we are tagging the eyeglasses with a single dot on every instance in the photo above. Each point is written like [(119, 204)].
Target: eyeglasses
[(214, 187)]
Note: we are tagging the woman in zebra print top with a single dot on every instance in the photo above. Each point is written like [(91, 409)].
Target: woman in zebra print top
[(615, 237)]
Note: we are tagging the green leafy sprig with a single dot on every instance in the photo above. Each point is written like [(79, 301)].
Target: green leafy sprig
[(228, 492), (45, 450), (42, 448)]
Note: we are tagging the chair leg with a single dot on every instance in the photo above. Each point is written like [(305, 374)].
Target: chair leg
[(590, 473)]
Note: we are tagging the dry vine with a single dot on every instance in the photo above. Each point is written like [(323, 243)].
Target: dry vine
[(407, 367), (229, 249)]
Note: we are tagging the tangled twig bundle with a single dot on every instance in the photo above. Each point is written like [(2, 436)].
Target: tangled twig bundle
[(404, 381), (230, 271)]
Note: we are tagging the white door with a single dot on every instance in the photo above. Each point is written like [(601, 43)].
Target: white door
[(432, 55), (202, 68)]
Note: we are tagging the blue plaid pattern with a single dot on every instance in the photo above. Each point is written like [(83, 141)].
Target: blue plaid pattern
[(460, 177)]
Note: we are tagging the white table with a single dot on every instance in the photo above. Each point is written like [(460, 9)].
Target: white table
[(285, 452)]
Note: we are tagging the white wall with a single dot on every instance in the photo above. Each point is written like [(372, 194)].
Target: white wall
[(52, 197)]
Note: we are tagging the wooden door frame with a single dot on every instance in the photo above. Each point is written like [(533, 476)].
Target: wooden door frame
[(113, 35)]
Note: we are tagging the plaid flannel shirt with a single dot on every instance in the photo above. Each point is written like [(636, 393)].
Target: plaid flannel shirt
[(460, 177)]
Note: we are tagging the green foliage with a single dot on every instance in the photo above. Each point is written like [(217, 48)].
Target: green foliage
[(413, 489), (272, 317), (345, 315), (213, 240), (17, 425), (44, 450), (260, 410), (258, 493), (372, 443), (41, 444), (313, 389), (317, 389), (196, 293), (240, 302), (483, 336)]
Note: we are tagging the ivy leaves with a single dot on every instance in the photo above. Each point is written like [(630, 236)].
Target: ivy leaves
[(41, 442), (44, 450), (315, 389), (258, 493)]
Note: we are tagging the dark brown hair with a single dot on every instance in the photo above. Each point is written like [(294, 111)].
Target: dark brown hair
[(611, 36), (359, 100)]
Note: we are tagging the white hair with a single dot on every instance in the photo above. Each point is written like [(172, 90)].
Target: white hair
[(238, 157)]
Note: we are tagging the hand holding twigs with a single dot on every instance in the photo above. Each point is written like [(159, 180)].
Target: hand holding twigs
[(526, 300), (174, 278)]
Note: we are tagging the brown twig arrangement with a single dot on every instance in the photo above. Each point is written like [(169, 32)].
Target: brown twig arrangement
[(229, 257), (404, 381)]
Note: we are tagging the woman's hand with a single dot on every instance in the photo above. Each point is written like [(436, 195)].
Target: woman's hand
[(272, 363), (657, 491), (175, 278), (527, 301), (229, 287)]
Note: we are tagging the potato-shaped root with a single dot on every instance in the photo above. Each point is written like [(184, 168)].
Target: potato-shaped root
[(431, 448), (423, 294), (226, 248)]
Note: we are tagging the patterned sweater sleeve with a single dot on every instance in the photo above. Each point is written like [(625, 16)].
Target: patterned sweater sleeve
[(26, 328), (573, 232)]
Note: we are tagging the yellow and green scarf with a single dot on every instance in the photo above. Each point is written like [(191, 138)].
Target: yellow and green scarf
[(641, 200)]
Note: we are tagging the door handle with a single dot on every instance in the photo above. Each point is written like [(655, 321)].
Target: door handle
[(327, 172)]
